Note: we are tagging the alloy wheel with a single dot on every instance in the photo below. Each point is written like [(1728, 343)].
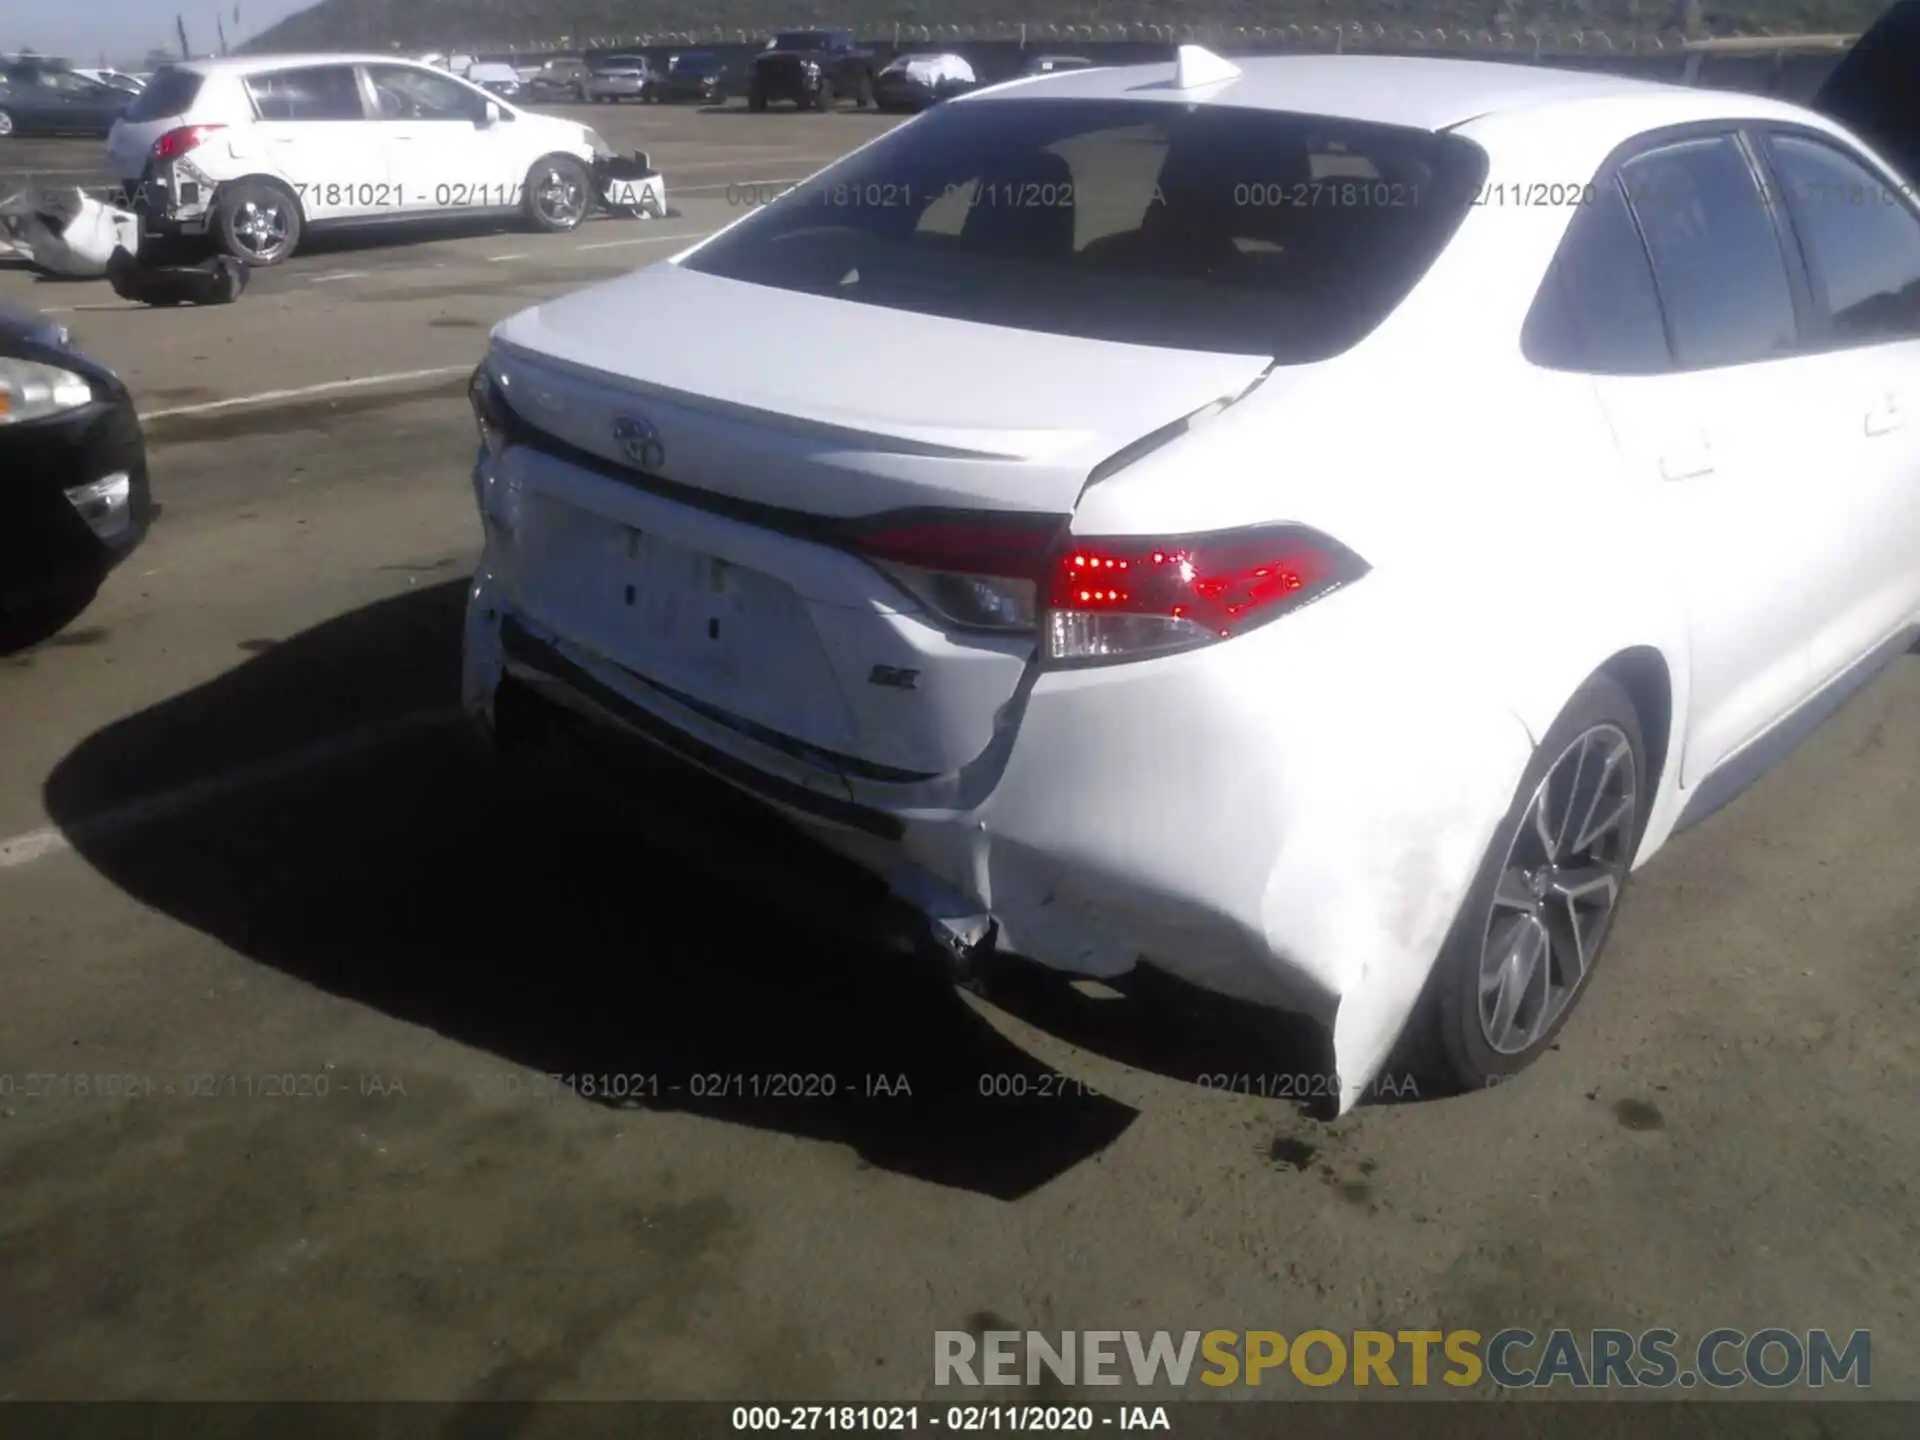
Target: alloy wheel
[(6, 124), (560, 200), (261, 229), (1558, 889)]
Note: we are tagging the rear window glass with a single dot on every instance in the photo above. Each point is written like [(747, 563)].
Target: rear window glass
[(1206, 227), (169, 92), (320, 92)]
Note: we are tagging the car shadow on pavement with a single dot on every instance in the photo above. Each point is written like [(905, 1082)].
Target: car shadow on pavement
[(531, 921)]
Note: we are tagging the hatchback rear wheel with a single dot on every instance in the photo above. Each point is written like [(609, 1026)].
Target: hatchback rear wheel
[(257, 222)]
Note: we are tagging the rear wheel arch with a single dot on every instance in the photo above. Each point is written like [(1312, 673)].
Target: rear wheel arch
[(263, 177), (1644, 674)]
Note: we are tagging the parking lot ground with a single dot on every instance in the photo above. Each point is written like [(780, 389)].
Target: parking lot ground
[(269, 1123)]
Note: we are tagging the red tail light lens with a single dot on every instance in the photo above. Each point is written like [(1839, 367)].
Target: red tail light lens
[(1122, 599), (976, 572), (175, 143), (1095, 600)]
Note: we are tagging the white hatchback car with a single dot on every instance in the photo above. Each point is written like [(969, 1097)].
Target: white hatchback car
[(1314, 525), (258, 152)]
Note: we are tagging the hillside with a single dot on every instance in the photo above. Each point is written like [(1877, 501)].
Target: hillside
[(445, 24)]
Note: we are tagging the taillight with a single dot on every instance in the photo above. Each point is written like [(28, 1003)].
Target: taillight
[(175, 143), (977, 572), (1094, 599), (1127, 598)]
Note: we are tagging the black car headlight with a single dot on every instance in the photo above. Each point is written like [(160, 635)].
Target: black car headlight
[(33, 390)]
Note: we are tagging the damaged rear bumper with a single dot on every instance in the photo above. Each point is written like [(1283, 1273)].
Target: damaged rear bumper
[(174, 199), (1200, 812)]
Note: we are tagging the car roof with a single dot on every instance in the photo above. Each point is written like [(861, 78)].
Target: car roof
[(1419, 92), (243, 65)]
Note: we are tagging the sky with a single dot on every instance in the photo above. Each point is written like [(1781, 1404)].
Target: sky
[(127, 29)]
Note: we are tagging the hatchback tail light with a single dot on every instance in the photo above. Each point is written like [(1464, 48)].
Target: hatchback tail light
[(175, 143), (1090, 600)]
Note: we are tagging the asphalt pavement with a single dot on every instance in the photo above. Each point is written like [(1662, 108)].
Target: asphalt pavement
[(280, 963)]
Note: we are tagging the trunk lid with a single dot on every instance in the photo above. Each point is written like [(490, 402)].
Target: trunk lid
[(842, 409), (749, 401), (1872, 90)]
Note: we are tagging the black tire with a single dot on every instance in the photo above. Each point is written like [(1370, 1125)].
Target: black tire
[(549, 176), (26, 624), (756, 100), (1447, 1041), (863, 92), (824, 97), (248, 214)]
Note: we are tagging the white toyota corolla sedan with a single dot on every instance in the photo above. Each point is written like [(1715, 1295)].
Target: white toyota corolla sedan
[(1312, 525)]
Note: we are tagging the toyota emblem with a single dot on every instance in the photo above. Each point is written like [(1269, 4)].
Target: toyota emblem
[(640, 443)]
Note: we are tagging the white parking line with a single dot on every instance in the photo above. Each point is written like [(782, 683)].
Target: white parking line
[(498, 259), (338, 275), (735, 185), (19, 850), (268, 397), (643, 240), (775, 156)]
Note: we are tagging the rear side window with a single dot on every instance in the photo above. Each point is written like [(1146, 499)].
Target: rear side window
[(1598, 311), (318, 92), (170, 92), (1716, 256), (1190, 227), (1861, 240)]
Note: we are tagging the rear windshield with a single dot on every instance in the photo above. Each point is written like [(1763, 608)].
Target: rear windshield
[(696, 64), (1206, 227), (169, 92), (620, 62)]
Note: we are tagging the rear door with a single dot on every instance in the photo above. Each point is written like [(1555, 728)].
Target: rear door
[(314, 127), (440, 150), (1678, 298), (1860, 236)]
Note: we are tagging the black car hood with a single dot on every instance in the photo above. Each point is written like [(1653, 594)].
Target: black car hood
[(23, 327), (1873, 90), (28, 336)]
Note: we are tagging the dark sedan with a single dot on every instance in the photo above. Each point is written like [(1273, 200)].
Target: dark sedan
[(44, 100), (74, 498), (695, 76)]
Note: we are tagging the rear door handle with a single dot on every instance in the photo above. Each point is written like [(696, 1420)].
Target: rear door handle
[(1886, 417), (1687, 461)]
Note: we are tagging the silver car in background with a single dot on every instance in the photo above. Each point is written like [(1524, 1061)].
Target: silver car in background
[(617, 78)]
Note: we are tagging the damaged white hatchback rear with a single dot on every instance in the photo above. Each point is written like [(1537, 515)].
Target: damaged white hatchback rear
[(1235, 519)]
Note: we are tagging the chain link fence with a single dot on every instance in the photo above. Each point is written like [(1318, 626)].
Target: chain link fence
[(1532, 39)]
